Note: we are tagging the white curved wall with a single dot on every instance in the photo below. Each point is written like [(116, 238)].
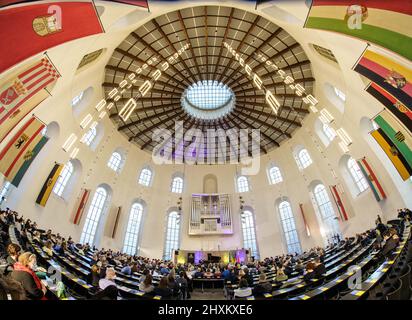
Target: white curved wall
[(58, 212)]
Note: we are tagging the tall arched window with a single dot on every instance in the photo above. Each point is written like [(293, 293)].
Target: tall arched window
[(289, 227), (329, 132), (76, 100), (249, 233), (339, 94), (115, 161), (177, 185), (133, 228), (93, 216), (275, 176), (5, 189), (357, 175), (63, 179), (327, 214), (145, 177), (304, 159), (242, 184), (90, 136), (172, 235)]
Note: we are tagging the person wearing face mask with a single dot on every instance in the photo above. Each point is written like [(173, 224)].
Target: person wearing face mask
[(24, 273)]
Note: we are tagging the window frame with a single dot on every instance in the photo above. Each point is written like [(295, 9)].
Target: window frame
[(64, 178), (248, 228), (133, 229), (288, 223), (172, 234)]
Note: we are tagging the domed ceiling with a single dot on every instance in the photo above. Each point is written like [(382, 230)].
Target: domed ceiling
[(206, 66)]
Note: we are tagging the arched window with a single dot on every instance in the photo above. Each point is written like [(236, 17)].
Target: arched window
[(90, 136), (339, 94), (5, 190), (115, 161), (304, 159), (327, 214), (357, 175), (329, 132), (63, 179), (145, 177), (172, 235), (289, 227), (133, 228), (76, 100), (249, 233), (177, 185), (93, 216), (275, 176), (242, 184)]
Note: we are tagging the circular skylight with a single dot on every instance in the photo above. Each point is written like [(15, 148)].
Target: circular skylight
[(208, 99), (208, 95)]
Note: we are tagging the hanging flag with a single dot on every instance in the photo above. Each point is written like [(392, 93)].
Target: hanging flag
[(31, 29), (372, 179), (396, 157), (81, 205), (399, 110), (137, 3), (21, 92), (399, 136), (390, 75), (339, 203), (5, 3), (385, 23), (17, 156), (49, 185), (304, 219)]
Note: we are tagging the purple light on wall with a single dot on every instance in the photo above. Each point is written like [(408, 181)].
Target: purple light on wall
[(198, 256), (240, 256)]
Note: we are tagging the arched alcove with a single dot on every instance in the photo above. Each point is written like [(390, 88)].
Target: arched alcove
[(210, 184)]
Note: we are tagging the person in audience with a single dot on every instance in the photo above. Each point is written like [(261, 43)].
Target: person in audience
[(391, 242), (24, 273), (108, 280), (310, 272), (244, 290), (127, 269), (13, 251), (146, 286), (263, 286), (280, 274), (48, 248), (248, 277), (320, 269), (11, 287), (162, 289), (198, 273), (94, 276)]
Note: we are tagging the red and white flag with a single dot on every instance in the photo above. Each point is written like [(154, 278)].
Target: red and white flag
[(21, 93)]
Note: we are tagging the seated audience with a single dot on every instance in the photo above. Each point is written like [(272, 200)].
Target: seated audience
[(263, 286)]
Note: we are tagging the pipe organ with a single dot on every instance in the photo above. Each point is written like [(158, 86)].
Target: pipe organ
[(210, 214)]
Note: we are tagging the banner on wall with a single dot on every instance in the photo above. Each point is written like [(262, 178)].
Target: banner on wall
[(116, 221), (17, 156), (385, 23), (81, 205), (31, 29), (339, 204), (397, 133), (399, 110), (304, 219), (137, 3), (373, 182), (388, 74), (49, 185), (22, 91), (393, 153)]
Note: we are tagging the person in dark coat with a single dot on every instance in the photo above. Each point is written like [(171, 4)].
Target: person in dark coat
[(23, 273), (163, 290)]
